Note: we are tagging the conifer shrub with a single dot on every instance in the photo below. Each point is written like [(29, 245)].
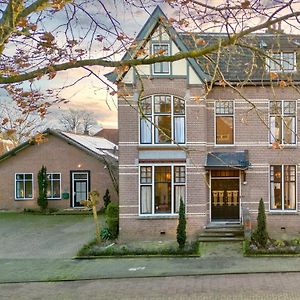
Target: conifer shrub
[(106, 198), (181, 227), (112, 219), (42, 185), (261, 235)]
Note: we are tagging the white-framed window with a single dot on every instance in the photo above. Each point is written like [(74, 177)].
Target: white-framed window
[(161, 68), (224, 122), (283, 127), (54, 186), (23, 186), (161, 188), (162, 120), (283, 188), (282, 62)]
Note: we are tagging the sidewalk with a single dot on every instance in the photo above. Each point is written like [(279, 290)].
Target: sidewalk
[(216, 259)]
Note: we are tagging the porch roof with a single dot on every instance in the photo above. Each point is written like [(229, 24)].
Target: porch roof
[(227, 160)]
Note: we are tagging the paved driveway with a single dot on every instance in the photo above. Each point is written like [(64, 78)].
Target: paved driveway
[(43, 236)]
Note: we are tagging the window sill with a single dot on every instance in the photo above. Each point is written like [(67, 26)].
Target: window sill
[(279, 213), (161, 146), (54, 199), (285, 146), (157, 217)]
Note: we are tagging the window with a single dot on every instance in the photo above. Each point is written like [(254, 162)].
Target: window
[(283, 187), (161, 68), (224, 113), (53, 188), (163, 120), (282, 62), (23, 186), (283, 122), (161, 188)]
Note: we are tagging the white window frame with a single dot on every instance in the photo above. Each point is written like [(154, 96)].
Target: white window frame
[(55, 173), (173, 184), (32, 181), (169, 64), (152, 122), (272, 210), (225, 115), (282, 115), (280, 68)]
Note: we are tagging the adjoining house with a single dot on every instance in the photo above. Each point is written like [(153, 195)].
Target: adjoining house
[(76, 165), (218, 148), (110, 134)]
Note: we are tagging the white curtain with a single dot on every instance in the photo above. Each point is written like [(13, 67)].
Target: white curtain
[(146, 130), (179, 194), (146, 196), (179, 130), (289, 130)]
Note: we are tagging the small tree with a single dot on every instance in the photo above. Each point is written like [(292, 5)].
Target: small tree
[(106, 198), (261, 235), (42, 183), (92, 203), (181, 227)]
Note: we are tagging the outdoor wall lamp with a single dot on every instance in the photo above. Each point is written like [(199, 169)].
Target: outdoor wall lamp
[(244, 177)]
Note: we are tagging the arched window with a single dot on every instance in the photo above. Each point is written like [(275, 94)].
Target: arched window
[(162, 120)]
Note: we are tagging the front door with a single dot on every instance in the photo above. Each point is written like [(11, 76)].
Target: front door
[(80, 187), (225, 199)]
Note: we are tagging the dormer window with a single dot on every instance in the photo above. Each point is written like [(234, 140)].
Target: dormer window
[(161, 68), (282, 62)]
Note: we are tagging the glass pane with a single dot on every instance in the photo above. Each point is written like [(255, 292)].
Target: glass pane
[(162, 190), (288, 61), (179, 174), (179, 134), (179, 193), (224, 107), (56, 176), (275, 127), (162, 129), (224, 130), (276, 192), (146, 175), (28, 176), (146, 130), (146, 105), (146, 199), (56, 189), (80, 176), (20, 193), (161, 67), (20, 176), (28, 189), (275, 107), (289, 187), (289, 107), (275, 62), (162, 104), (179, 107), (289, 130)]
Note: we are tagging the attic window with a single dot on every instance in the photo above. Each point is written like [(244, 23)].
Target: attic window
[(161, 68), (282, 62)]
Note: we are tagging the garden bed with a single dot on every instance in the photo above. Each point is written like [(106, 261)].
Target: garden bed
[(273, 248), (142, 249)]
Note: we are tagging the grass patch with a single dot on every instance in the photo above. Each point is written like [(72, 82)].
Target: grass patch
[(144, 248)]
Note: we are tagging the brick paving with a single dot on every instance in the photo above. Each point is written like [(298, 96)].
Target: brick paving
[(219, 287)]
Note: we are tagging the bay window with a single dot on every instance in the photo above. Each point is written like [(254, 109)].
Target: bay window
[(283, 187), (162, 120), (161, 188), (283, 122)]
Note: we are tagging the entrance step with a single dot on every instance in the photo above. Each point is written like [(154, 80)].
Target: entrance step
[(221, 233)]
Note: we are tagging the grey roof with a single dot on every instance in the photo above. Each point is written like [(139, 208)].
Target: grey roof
[(228, 160), (239, 63)]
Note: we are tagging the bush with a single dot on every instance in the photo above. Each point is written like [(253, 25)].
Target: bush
[(261, 235), (112, 219), (42, 184), (181, 227), (106, 198)]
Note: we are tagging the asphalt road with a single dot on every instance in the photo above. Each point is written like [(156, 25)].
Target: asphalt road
[(219, 287)]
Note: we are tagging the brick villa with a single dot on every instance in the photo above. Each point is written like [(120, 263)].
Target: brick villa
[(219, 148)]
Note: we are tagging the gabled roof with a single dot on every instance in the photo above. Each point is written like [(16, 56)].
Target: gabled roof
[(98, 147), (109, 134), (144, 35)]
